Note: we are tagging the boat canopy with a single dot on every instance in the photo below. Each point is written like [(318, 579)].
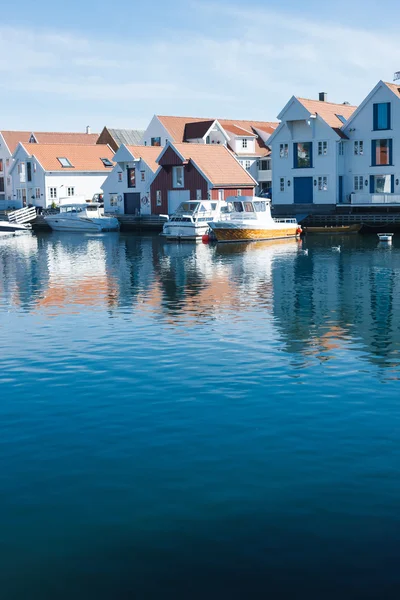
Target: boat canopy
[(192, 207)]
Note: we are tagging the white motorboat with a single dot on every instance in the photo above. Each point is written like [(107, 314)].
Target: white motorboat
[(191, 219), (248, 219), (385, 237), (85, 217)]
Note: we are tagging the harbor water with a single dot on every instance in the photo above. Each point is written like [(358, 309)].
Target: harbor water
[(188, 421)]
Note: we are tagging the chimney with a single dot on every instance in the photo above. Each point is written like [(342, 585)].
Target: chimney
[(322, 96), (88, 129)]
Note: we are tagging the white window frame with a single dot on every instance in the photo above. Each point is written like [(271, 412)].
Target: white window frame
[(358, 183), (244, 143), (248, 164), (198, 195), (323, 148), (358, 148), (282, 184), (70, 191), (158, 198), (283, 150), (323, 183), (175, 177), (239, 192), (37, 193), (341, 148), (52, 193)]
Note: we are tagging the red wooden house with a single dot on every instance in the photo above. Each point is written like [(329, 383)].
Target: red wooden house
[(197, 172)]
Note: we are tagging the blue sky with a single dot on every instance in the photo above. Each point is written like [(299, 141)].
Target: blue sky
[(65, 66)]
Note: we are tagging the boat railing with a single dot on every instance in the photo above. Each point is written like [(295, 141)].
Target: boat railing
[(285, 220), (237, 216)]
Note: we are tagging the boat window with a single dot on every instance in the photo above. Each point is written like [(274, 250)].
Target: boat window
[(92, 208), (213, 205), (248, 206), (238, 206), (259, 206), (202, 208)]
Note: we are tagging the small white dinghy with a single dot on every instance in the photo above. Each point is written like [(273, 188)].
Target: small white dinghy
[(385, 237), (18, 222)]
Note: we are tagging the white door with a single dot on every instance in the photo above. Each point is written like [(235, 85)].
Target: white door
[(221, 195), (175, 197)]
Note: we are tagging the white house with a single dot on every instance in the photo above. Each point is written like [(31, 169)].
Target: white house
[(127, 188), (308, 153), (43, 174), (248, 140), (9, 141), (372, 151)]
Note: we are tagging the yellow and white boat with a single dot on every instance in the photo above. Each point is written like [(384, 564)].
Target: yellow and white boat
[(247, 219)]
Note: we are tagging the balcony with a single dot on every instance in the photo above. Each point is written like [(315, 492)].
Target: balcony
[(264, 175), (364, 199)]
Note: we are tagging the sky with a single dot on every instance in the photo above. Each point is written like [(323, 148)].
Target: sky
[(68, 65)]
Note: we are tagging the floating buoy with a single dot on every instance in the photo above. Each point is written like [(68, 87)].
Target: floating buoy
[(205, 238), (299, 231)]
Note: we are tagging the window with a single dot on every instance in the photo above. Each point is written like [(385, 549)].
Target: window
[(302, 155), (341, 148), (158, 197), (199, 195), (248, 164), (34, 167), (322, 148), (19, 194), (37, 193), (1, 164), (323, 183), (119, 175), (8, 180), (239, 192), (53, 192), (64, 161), (381, 152), (106, 162), (381, 116), (70, 191), (359, 148), (142, 176), (382, 184), (156, 141), (265, 165), (283, 150), (208, 141), (21, 171), (358, 183), (29, 171), (282, 184), (177, 177), (131, 177), (342, 118), (244, 143)]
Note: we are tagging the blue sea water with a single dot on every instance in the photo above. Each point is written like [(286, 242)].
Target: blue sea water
[(191, 421)]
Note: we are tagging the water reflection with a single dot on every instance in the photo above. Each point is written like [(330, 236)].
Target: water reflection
[(318, 303)]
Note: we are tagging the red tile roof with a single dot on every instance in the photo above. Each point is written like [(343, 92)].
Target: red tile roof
[(13, 138), (148, 153), (217, 163), (394, 87), (328, 111), (83, 158), (239, 130), (176, 128)]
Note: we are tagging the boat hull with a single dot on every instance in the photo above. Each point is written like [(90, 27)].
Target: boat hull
[(84, 225), (248, 234), (14, 228), (182, 232)]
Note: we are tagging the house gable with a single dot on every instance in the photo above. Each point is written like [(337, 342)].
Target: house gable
[(170, 157)]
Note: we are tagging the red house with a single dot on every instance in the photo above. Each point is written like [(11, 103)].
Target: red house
[(197, 172)]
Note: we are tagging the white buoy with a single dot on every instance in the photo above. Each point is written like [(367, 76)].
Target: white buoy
[(385, 237), (336, 248)]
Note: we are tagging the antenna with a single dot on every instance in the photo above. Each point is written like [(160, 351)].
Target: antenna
[(396, 76)]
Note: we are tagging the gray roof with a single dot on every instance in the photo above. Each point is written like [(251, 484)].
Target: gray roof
[(130, 137)]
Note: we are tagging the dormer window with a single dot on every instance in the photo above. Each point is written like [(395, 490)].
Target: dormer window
[(64, 161), (32, 139), (244, 143), (106, 162)]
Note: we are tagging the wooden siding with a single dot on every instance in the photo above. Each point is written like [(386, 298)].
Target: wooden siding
[(231, 192), (170, 157), (106, 138), (193, 181)]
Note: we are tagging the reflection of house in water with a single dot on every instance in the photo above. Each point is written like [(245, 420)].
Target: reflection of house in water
[(77, 274), (23, 272), (325, 298)]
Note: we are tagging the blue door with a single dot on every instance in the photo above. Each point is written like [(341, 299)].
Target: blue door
[(303, 190)]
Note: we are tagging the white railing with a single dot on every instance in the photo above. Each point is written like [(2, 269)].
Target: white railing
[(264, 175), (23, 215), (363, 198)]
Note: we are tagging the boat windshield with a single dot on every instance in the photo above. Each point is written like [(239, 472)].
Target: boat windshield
[(72, 209), (188, 207), (259, 206)]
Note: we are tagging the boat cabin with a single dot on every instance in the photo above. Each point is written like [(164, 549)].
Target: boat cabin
[(83, 209), (196, 212)]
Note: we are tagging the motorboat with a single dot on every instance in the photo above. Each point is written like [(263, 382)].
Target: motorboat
[(385, 237), (85, 217), (248, 219), (191, 219), (333, 229)]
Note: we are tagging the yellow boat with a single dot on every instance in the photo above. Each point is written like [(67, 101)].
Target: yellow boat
[(247, 219), (334, 229)]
